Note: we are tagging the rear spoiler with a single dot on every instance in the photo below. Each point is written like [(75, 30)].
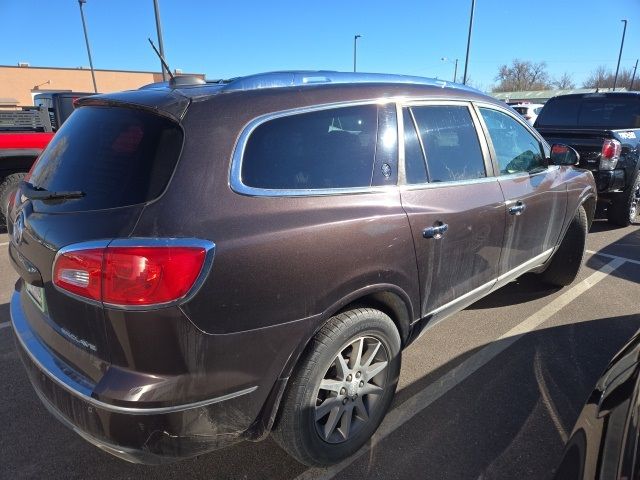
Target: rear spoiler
[(164, 102)]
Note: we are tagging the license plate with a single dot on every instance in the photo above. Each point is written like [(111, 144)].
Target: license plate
[(37, 295)]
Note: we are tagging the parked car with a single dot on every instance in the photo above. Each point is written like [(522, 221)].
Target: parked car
[(604, 443), (24, 133), (529, 111), (251, 256), (605, 129)]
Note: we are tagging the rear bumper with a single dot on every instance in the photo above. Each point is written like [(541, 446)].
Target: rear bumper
[(139, 435), (610, 180)]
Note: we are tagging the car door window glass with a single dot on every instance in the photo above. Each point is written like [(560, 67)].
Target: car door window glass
[(450, 142), (333, 148), (517, 150), (415, 167)]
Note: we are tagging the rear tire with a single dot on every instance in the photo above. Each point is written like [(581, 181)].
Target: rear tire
[(337, 398), (624, 208), (567, 261), (7, 187)]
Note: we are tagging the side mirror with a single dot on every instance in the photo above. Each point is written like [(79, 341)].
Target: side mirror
[(563, 155)]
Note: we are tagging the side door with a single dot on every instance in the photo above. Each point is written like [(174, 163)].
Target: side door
[(454, 204), (534, 191)]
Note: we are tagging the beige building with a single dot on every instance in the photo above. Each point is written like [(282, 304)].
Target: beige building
[(19, 84)]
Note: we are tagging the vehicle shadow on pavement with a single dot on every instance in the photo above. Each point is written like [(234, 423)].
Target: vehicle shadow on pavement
[(510, 419), (4, 313)]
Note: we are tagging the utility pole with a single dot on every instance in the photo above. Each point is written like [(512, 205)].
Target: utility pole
[(355, 50), (86, 39), (633, 77), (160, 42), (455, 72), (615, 80), (466, 60)]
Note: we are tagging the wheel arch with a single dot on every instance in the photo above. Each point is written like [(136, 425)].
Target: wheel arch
[(390, 299)]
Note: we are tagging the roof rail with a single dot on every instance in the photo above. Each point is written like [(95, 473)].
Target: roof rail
[(302, 78)]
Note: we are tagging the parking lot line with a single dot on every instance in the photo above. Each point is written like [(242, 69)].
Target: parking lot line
[(432, 392), (4, 244), (637, 262), (4, 325)]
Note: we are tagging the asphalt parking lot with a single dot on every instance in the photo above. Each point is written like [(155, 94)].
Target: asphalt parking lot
[(493, 392)]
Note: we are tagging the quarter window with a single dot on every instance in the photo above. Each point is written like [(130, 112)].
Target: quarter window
[(517, 150), (333, 148), (450, 142)]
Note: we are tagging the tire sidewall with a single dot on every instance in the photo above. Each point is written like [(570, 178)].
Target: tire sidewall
[(376, 325)]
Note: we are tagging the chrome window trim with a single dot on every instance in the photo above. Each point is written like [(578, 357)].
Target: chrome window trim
[(49, 365), (235, 171), (208, 246), (453, 183)]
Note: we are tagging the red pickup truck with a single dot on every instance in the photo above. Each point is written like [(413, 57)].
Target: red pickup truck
[(25, 133)]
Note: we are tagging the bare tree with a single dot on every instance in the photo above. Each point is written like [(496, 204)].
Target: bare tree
[(564, 82), (602, 77), (522, 75)]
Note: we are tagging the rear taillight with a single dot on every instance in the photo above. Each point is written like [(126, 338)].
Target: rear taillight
[(610, 154), (153, 273)]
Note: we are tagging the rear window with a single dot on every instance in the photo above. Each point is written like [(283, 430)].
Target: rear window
[(333, 148), (116, 156), (521, 110), (596, 111)]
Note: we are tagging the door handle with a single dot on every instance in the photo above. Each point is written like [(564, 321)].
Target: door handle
[(518, 208), (437, 231)]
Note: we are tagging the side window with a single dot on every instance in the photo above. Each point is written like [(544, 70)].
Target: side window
[(332, 148), (415, 168), (450, 142), (517, 150)]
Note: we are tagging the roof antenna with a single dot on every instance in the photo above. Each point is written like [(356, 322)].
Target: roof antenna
[(164, 63)]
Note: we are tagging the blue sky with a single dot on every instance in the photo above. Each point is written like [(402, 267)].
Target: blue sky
[(224, 39)]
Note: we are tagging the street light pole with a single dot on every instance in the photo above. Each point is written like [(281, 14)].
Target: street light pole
[(466, 60), (455, 69), (355, 50), (615, 80), (633, 77), (160, 42), (86, 39)]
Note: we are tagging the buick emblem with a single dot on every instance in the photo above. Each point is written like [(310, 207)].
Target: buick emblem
[(18, 229)]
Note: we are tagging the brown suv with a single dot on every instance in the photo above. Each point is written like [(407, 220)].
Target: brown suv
[(251, 256)]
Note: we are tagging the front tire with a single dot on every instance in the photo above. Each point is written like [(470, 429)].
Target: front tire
[(624, 209), (341, 391), (567, 261)]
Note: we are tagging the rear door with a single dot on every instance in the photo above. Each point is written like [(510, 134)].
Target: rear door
[(454, 204), (535, 193), (120, 159)]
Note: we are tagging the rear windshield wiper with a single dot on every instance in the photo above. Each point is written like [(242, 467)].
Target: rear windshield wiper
[(37, 193)]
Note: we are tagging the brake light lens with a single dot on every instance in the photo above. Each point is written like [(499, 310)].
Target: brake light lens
[(610, 154), (130, 275)]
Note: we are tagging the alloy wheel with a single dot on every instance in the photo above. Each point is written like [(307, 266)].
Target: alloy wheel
[(350, 389)]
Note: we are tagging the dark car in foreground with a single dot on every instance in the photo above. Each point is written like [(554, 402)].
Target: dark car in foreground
[(605, 130), (251, 256), (605, 442)]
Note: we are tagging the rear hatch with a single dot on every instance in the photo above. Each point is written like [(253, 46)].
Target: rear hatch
[(114, 159)]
